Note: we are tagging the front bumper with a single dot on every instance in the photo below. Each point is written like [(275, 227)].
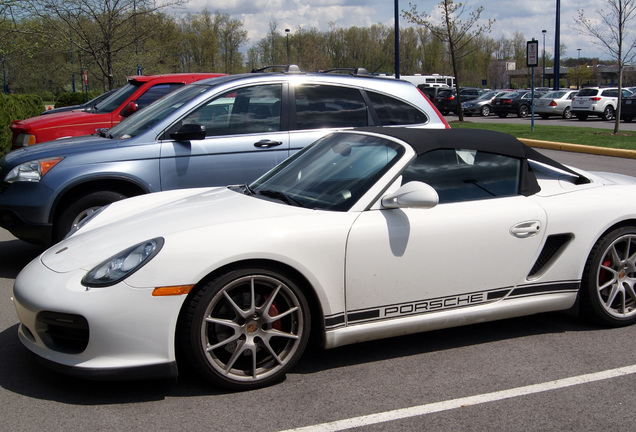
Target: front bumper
[(120, 332)]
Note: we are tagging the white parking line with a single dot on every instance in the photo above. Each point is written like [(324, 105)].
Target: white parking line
[(466, 401)]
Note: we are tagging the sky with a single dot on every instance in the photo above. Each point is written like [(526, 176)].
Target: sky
[(527, 17)]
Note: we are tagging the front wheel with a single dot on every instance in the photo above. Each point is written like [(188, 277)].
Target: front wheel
[(567, 114), (81, 208), (245, 329), (608, 285), (523, 111)]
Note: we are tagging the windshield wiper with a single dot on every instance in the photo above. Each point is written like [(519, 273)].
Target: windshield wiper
[(279, 196)]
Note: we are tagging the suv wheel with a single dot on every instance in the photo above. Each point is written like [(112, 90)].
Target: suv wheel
[(81, 208), (608, 113)]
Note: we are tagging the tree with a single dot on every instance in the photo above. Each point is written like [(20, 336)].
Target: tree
[(456, 33), (98, 29), (611, 30)]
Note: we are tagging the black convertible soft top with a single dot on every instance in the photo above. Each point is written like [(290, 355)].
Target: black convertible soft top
[(425, 140)]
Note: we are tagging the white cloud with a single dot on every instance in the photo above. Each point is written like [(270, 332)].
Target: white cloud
[(511, 16)]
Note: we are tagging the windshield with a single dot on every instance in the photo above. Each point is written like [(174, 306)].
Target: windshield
[(147, 117), (332, 174), (554, 95), (112, 102)]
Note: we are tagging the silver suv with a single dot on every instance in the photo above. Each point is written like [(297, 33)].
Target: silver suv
[(219, 131), (595, 101)]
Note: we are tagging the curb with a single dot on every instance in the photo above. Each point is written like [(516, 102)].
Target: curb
[(604, 151)]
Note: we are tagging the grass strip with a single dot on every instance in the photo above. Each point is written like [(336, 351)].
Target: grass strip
[(562, 134)]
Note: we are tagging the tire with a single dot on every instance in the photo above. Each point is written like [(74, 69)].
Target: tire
[(523, 111), (82, 207), (567, 114), (245, 329), (502, 115), (608, 284), (608, 113), (485, 111), (581, 117)]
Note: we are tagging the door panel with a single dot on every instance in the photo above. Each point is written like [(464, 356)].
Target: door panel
[(408, 255)]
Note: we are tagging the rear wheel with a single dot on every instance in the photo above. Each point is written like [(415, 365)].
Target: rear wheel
[(245, 329), (608, 285), (485, 110), (608, 113), (81, 208)]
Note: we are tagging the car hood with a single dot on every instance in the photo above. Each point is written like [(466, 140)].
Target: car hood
[(63, 147), (57, 119), (165, 214)]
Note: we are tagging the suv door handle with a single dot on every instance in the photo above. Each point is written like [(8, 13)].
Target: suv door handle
[(267, 143)]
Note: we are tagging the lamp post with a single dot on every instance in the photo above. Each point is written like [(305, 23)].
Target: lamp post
[(578, 69), (287, 33), (557, 47), (543, 66)]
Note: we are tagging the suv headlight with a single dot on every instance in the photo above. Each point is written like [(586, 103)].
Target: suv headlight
[(122, 265), (31, 171)]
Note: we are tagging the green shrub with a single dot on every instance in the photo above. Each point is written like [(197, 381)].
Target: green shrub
[(78, 98), (16, 107)]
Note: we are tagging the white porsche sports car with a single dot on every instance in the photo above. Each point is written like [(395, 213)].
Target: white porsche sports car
[(366, 234)]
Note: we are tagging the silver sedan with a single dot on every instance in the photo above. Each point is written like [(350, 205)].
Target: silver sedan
[(555, 103)]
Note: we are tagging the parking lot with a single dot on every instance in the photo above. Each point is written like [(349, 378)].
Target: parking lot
[(544, 372)]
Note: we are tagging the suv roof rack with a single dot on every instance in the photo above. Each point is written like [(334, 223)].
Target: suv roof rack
[(359, 71), (291, 68)]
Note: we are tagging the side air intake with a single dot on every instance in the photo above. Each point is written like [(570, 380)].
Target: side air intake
[(554, 245)]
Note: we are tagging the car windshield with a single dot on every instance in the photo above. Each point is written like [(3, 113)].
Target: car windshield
[(160, 109), (112, 102), (554, 95), (331, 174), (487, 96)]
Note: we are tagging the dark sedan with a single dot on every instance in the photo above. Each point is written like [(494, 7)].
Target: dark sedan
[(628, 108), (517, 102)]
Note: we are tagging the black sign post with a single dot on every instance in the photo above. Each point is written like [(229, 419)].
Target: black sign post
[(532, 60)]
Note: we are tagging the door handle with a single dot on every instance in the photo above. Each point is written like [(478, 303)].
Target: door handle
[(525, 229), (266, 143)]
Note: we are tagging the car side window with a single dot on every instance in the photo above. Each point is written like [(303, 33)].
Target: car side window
[(465, 175), (254, 109), (392, 111), (155, 92), (610, 93), (322, 106)]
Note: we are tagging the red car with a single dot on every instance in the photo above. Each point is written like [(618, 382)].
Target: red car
[(139, 92)]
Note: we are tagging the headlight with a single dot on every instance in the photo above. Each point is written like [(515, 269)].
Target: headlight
[(24, 140), (32, 171), (122, 265)]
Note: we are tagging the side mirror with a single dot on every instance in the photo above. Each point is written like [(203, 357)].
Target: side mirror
[(413, 194), (129, 109), (189, 132)]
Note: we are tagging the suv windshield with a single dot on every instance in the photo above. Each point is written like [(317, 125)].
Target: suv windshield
[(112, 102), (147, 117), (332, 174)]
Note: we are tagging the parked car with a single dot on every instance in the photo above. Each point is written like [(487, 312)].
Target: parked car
[(595, 101), (213, 132), (139, 92), (516, 102), (628, 108), (431, 92), (481, 105), (87, 106), (555, 103), (446, 102), (354, 239)]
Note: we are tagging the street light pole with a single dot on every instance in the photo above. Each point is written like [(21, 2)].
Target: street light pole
[(543, 60), (578, 69), (287, 32), (557, 47)]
